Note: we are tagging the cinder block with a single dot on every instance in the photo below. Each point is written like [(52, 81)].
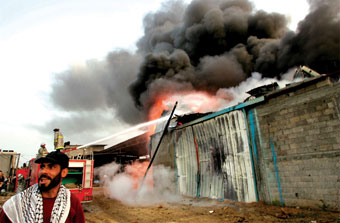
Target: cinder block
[(325, 147), (312, 120), (283, 111), (314, 131), (330, 104), (320, 107), (316, 114), (295, 119), (336, 147), (297, 129), (328, 111), (326, 118)]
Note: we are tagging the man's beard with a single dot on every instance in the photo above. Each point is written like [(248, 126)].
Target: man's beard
[(53, 182)]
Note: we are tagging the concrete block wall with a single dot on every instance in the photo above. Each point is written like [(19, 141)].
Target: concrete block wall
[(298, 146)]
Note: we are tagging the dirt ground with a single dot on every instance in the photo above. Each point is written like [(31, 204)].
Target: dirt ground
[(105, 210)]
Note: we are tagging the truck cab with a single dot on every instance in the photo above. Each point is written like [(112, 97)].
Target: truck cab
[(79, 179)]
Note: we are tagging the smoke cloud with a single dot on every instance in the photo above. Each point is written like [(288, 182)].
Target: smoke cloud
[(222, 42), (317, 40), (206, 46), (94, 99), (124, 183), (99, 85)]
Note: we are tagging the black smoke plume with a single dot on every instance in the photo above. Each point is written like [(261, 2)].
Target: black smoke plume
[(206, 46), (316, 42), (217, 44)]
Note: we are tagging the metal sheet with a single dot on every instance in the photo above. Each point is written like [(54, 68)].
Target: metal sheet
[(224, 166), (238, 173), (237, 170), (186, 162), (210, 159)]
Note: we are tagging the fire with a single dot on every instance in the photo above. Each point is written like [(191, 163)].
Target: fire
[(197, 102), (188, 102), (137, 170), (158, 107), (156, 110)]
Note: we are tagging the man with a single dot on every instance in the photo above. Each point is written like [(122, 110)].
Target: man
[(2, 181), (58, 139), (47, 201), (42, 152)]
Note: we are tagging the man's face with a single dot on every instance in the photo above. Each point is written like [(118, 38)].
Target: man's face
[(49, 176)]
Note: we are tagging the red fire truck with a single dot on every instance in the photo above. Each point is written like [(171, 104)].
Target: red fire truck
[(79, 179)]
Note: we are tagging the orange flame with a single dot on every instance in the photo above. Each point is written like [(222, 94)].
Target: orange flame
[(189, 102), (156, 110), (137, 170), (158, 107)]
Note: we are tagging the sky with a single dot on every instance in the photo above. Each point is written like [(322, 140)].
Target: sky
[(40, 38)]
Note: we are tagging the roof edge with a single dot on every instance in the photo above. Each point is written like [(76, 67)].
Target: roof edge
[(227, 110)]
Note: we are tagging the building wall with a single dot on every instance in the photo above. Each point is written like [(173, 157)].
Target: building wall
[(8, 162), (286, 150), (211, 158), (296, 146)]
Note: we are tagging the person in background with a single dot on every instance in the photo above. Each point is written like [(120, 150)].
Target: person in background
[(58, 140), (48, 200), (2, 181), (9, 183), (42, 152)]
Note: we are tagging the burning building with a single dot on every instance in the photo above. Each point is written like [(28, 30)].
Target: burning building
[(281, 146)]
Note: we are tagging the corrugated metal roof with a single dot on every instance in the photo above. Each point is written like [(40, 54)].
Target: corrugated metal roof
[(224, 111)]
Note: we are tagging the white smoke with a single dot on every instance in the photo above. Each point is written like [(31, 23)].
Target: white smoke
[(124, 183), (235, 95)]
